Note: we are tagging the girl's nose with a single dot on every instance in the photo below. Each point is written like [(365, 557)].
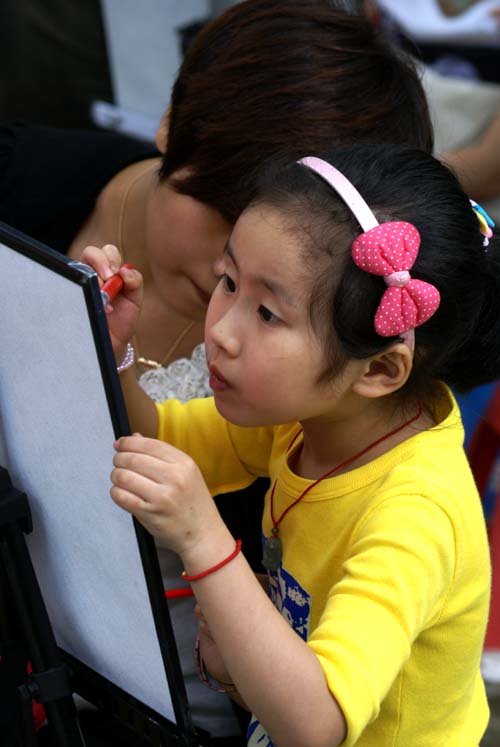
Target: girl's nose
[(223, 333)]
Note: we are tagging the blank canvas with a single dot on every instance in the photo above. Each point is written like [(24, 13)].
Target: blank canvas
[(56, 440)]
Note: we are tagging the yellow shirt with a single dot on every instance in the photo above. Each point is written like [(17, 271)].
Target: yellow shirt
[(385, 572)]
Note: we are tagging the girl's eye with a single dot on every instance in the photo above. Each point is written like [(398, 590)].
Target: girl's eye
[(228, 283), (267, 316)]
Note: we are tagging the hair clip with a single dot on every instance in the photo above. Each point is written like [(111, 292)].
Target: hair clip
[(388, 249), (485, 222)]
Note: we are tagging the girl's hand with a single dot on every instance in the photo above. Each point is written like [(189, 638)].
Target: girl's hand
[(209, 652), (164, 489), (124, 312)]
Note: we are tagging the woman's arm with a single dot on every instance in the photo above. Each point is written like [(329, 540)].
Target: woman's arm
[(141, 410), (478, 165), (122, 318)]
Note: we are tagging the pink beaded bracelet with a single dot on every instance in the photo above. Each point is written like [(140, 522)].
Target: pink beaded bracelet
[(128, 359)]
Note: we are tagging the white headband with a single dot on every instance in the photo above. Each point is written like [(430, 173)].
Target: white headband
[(345, 189)]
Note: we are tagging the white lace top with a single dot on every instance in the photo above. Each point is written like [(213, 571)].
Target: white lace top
[(182, 379)]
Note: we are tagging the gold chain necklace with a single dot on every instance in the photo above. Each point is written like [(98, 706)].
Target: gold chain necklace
[(147, 363)]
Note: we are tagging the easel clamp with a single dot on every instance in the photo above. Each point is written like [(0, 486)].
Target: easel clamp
[(52, 684)]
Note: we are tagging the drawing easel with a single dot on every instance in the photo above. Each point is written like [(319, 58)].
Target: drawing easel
[(86, 582)]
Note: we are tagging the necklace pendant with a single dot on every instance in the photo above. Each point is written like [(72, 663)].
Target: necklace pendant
[(272, 553)]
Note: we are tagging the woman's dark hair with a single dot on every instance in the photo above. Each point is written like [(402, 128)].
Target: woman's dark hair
[(295, 76), (460, 344)]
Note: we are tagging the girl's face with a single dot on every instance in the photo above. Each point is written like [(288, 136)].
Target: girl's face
[(263, 355), (184, 238)]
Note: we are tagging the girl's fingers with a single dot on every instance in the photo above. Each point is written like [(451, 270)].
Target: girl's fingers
[(151, 493), (204, 630), (150, 467), (152, 446), (205, 635), (198, 613), (128, 501)]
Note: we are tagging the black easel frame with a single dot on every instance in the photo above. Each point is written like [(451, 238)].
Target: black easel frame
[(150, 726)]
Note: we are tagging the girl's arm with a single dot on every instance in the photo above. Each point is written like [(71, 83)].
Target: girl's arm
[(276, 673), (122, 319), (210, 661)]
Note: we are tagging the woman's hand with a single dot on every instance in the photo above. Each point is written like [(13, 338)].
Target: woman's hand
[(124, 312), (164, 489)]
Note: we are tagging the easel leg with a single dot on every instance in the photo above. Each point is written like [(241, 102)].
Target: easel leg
[(49, 680)]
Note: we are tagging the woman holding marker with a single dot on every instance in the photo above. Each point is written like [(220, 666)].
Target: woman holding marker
[(171, 210), (112, 287)]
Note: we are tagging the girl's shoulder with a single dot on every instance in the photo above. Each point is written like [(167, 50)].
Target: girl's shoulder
[(431, 471)]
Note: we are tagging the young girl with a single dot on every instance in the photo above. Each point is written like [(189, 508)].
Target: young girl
[(171, 211), (353, 292)]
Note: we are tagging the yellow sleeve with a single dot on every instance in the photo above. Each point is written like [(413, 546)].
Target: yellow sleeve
[(229, 457), (395, 582)]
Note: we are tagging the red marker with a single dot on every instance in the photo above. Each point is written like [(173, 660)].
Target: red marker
[(111, 288), (179, 593)]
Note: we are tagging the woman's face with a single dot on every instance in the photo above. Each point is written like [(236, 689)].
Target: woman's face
[(184, 238)]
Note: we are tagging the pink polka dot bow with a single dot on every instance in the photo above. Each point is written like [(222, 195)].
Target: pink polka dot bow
[(390, 249)]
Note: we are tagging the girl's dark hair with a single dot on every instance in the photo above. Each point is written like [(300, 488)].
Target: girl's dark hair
[(460, 344), (295, 76)]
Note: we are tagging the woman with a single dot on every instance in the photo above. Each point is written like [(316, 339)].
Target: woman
[(262, 77)]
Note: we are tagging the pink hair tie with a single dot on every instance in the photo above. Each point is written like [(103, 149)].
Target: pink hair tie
[(387, 249)]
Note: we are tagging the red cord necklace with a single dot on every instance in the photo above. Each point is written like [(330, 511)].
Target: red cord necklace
[(273, 550)]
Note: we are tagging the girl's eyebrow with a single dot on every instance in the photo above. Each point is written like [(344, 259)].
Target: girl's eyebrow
[(274, 286)]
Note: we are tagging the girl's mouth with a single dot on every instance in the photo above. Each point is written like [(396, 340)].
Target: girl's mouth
[(217, 382)]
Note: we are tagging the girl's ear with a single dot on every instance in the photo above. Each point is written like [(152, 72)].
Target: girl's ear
[(161, 137), (386, 372)]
